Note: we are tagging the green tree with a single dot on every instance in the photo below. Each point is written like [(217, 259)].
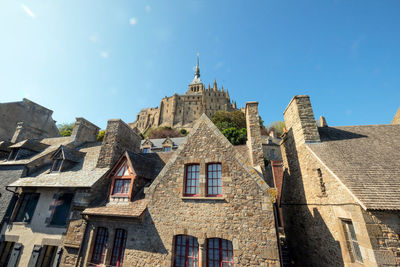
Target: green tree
[(232, 118), (278, 126), (65, 129), (235, 136), (100, 136)]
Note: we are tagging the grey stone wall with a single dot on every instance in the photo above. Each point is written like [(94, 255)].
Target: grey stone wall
[(254, 141), (84, 131), (118, 138), (31, 114)]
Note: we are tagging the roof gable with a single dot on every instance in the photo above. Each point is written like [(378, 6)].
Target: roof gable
[(201, 124)]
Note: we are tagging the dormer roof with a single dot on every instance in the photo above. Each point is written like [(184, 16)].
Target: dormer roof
[(66, 153), (30, 144)]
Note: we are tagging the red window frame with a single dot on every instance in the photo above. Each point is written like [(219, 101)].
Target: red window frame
[(100, 244), (117, 256), (122, 174), (186, 251), (219, 253), (192, 180), (214, 179)]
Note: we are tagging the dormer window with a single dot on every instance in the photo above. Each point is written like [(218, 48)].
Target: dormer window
[(57, 165), (122, 182), (167, 149), (146, 150), (65, 158), (13, 154)]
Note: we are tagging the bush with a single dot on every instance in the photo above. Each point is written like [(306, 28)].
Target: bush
[(183, 132), (233, 118), (278, 126), (65, 129), (235, 136), (162, 132), (100, 136)]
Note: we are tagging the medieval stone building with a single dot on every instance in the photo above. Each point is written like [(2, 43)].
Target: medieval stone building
[(341, 191), (180, 111), (30, 119)]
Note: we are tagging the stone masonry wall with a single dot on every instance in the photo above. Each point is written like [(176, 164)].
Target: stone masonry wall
[(118, 138)]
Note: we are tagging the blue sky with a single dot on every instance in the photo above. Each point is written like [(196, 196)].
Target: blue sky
[(103, 59)]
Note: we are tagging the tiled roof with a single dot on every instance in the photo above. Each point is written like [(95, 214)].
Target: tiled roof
[(157, 143), (82, 174), (366, 159), (122, 209)]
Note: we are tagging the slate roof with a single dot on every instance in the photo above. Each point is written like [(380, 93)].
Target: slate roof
[(127, 210), (269, 140), (157, 143), (82, 174), (31, 144), (146, 165), (70, 154), (366, 159)]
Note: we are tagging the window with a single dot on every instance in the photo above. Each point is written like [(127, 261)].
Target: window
[(121, 187), (351, 240), (219, 253), (118, 248), (61, 209), (186, 251), (5, 252), (56, 165), (47, 256), (99, 247), (13, 154), (166, 148), (146, 150), (27, 207), (214, 179), (192, 180)]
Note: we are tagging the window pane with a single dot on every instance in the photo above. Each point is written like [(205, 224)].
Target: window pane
[(192, 180), (214, 179), (27, 207), (61, 210), (100, 245)]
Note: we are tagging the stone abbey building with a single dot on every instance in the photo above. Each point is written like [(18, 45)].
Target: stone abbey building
[(180, 111)]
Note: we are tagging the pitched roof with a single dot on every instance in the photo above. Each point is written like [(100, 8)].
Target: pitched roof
[(366, 159), (158, 142), (127, 210), (146, 165), (31, 144), (82, 174), (70, 154)]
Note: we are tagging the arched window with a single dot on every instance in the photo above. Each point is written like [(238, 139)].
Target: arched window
[(99, 247), (219, 253), (186, 251), (118, 248)]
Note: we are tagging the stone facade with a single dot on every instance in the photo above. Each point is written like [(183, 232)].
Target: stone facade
[(242, 214), (180, 111), (32, 120), (316, 204)]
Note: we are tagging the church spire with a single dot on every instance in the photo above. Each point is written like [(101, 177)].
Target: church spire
[(196, 78)]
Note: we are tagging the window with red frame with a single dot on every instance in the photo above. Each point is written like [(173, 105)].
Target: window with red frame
[(219, 253), (186, 251), (214, 179), (118, 248), (192, 173), (122, 180), (99, 247)]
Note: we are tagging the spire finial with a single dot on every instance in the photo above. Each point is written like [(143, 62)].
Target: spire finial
[(196, 78)]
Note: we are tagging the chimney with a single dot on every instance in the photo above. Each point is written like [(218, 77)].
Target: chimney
[(299, 118), (396, 119), (24, 131), (118, 138), (84, 131), (254, 141), (322, 122)]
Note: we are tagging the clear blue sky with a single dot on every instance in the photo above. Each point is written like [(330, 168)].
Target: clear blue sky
[(108, 59)]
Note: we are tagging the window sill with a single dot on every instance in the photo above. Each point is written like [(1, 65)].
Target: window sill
[(20, 223), (221, 198)]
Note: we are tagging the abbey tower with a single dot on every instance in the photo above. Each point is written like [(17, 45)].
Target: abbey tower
[(180, 111)]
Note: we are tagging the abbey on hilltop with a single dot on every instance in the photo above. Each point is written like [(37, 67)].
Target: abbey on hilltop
[(180, 111)]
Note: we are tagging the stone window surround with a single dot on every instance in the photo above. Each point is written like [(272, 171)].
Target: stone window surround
[(202, 239), (109, 244), (226, 179)]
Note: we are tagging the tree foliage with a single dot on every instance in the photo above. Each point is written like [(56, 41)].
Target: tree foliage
[(162, 132), (65, 129), (278, 126), (100, 136), (232, 124)]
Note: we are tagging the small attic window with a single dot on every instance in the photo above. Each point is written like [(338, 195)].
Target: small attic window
[(167, 149), (57, 165), (146, 150), (13, 154)]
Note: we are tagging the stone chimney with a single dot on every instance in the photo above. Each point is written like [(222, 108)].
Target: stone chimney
[(84, 131), (322, 122), (118, 138), (254, 141), (24, 131), (396, 119), (300, 120)]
